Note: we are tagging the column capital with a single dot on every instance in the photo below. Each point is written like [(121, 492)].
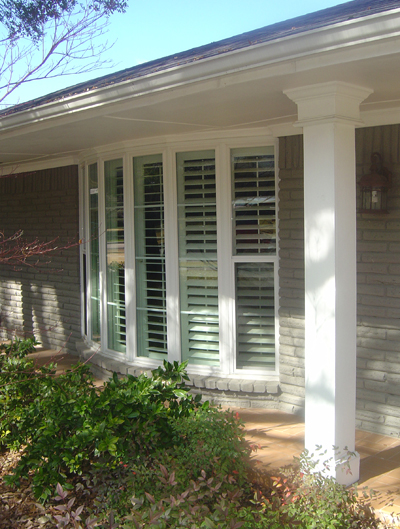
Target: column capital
[(328, 102)]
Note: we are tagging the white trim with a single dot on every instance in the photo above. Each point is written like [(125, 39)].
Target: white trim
[(224, 252), (328, 102), (130, 265), (386, 116), (102, 256), (171, 256)]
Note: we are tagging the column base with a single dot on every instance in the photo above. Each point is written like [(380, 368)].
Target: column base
[(347, 470), (343, 466)]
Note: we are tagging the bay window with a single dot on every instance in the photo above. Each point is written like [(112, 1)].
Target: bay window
[(218, 273)]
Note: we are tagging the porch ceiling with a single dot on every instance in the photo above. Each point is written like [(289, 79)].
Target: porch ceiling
[(249, 98)]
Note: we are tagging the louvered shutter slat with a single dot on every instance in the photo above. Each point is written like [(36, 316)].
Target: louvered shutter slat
[(255, 315), (198, 252), (253, 204), (150, 260)]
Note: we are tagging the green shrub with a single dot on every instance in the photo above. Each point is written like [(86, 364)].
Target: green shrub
[(19, 348), (207, 441), (206, 502), (298, 498), (311, 499), (151, 456), (216, 439), (20, 383), (70, 426)]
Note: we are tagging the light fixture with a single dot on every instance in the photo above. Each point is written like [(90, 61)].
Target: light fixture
[(374, 187)]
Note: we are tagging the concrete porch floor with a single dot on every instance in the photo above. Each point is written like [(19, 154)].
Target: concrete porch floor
[(281, 437)]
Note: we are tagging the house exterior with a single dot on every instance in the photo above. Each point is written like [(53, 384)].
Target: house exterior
[(217, 195)]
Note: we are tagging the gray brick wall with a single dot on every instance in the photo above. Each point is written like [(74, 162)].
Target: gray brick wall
[(378, 287), (291, 274), (378, 284), (43, 300)]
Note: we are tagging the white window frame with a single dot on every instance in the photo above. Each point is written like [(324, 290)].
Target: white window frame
[(226, 259), (83, 224), (274, 259)]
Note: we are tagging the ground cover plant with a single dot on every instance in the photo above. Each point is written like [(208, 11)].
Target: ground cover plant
[(141, 452)]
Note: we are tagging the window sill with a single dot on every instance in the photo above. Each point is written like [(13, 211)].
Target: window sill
[(103, 366)]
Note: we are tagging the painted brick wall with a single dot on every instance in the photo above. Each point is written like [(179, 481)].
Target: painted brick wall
[(291, 273), (45, 299), (378, 284)]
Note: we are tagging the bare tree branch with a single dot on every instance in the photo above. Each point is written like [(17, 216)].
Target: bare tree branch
[(42, 39), (15, 251), (68, 39)]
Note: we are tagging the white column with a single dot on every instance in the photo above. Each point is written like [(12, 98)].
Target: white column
[(329, 113)]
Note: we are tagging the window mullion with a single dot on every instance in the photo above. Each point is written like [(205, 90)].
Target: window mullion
[(102, 252), (171, 256), (130, 290), (224, 252)]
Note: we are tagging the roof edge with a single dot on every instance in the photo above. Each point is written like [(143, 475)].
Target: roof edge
[(382, 26)]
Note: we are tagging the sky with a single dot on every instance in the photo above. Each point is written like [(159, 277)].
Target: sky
[(151, 29)]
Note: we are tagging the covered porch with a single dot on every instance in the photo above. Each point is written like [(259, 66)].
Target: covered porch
[(280, 436), (323, 84)]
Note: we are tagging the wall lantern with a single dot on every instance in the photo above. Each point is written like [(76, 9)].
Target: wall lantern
[(374, 187)]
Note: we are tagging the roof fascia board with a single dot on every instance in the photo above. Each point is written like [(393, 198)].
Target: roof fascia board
[(363, 31)]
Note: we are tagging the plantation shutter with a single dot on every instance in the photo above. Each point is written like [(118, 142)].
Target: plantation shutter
[(197, 216), (254, 243), (150, 257), (254, 220), (255, 315), (115, 255)]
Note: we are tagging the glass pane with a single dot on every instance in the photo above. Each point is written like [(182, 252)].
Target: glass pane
[(255, 316), (253, 203), (94, 252), (197, 217), (150, 257), (115, 249)]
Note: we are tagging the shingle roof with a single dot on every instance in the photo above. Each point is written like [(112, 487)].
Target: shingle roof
[(318, 19)]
